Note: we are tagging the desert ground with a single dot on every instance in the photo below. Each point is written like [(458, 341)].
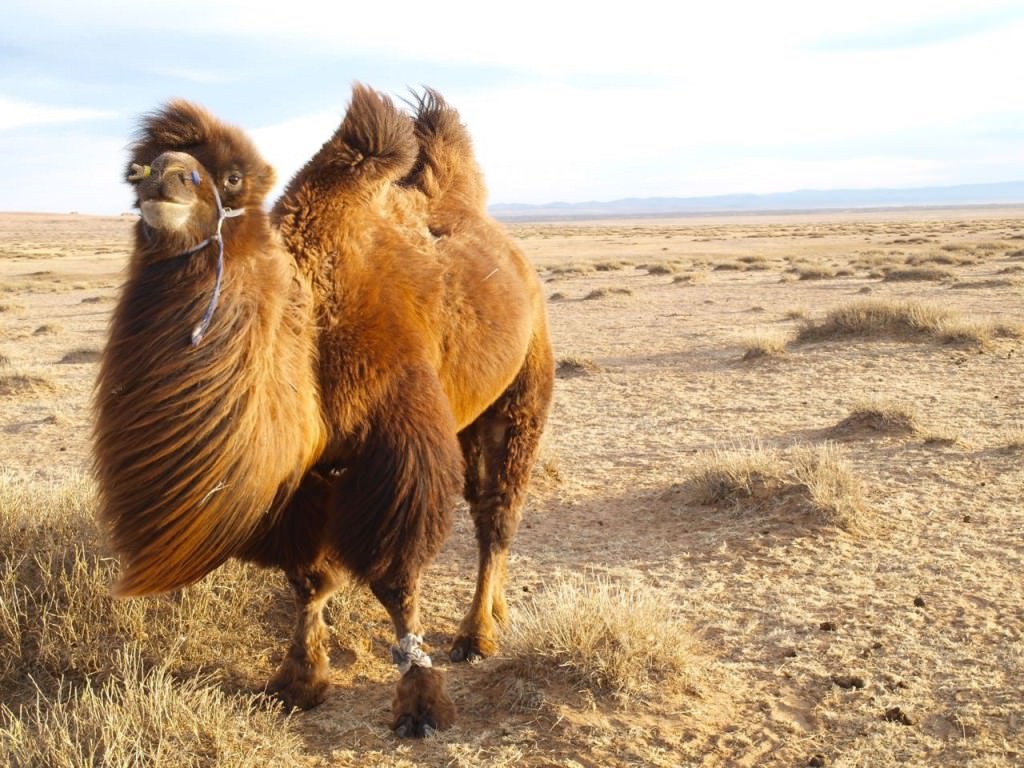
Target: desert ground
[(783, 478)]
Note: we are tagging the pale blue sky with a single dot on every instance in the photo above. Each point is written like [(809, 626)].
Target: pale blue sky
[(566, 101)]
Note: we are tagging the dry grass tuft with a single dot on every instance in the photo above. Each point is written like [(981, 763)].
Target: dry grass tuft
[(908, 319), (690, 278), (986, 283), (57, 618), (141, 717), (620, 639), (1014, 438), (880, 416), (603, 293), (570, 367), (81, 671), (730, 475), (936, 274), (82, 355), (611, 266), (661, 269), (812, 479), (571, 270), (25, 384), (815, 272), (765, 342), (546, 474)]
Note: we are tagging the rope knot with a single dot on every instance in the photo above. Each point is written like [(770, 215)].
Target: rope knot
[(408, 653)]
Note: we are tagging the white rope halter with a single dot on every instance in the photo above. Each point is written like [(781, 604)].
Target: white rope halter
[(142, 172), (408, 653)]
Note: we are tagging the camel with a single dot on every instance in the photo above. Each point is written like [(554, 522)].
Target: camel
[(310, 389)]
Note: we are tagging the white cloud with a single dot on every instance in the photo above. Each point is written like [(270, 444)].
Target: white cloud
[(15, 113), (203, 76), (80, 172), (602, 101)]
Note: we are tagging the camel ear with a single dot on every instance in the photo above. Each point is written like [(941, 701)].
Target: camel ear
[(263, 181)]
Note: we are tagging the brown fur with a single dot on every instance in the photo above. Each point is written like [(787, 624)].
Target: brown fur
[(428, 373), (193, 446)]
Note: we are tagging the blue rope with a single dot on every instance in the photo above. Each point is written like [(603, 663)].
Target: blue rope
[(222, 213)]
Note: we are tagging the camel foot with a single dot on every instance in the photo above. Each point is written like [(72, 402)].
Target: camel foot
[(421, 705), (473, 646), (299, 685)]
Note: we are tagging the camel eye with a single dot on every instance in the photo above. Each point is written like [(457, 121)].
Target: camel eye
[(233, 181)]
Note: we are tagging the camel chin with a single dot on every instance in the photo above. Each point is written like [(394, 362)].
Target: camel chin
[(166, 214)]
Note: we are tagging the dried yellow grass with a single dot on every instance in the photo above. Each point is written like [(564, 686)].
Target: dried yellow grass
[(81, 671), (882, 415), (661, 269), (817, 477), (613, 638), (21, 383), (146, 717), (603, 293), (574, 365), (908, 319), (936, 274), (814, 272), (81, 355), (1014, 438), (57, 617), (690, 278), (765, 342)]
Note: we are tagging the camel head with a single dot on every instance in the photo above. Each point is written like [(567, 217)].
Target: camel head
[(183, 161)]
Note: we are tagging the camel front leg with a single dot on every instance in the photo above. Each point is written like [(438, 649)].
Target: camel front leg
[(301, 679), (421, 702)]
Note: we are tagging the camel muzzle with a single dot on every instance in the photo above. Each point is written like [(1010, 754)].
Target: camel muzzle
[(173, 178)]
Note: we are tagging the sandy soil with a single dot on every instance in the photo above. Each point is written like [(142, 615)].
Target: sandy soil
[(809, 635)]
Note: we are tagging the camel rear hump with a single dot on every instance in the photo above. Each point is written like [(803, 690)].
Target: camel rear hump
[(446, 170)]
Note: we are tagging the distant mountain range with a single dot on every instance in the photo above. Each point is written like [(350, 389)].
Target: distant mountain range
[(1009, 192)]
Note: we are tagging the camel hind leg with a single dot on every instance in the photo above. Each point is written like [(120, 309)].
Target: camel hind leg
[(500, 448)]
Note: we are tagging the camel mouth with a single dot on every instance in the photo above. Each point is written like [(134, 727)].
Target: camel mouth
[(171, 215)]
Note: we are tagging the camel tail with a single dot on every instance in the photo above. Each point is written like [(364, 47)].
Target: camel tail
[(446, 170)]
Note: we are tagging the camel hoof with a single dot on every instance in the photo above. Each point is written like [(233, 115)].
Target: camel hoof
[(409, 728), (472, 648), (300, 695), (297, 685), (421, 705)]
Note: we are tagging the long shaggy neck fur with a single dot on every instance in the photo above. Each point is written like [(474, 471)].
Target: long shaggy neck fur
[(195, 447)]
